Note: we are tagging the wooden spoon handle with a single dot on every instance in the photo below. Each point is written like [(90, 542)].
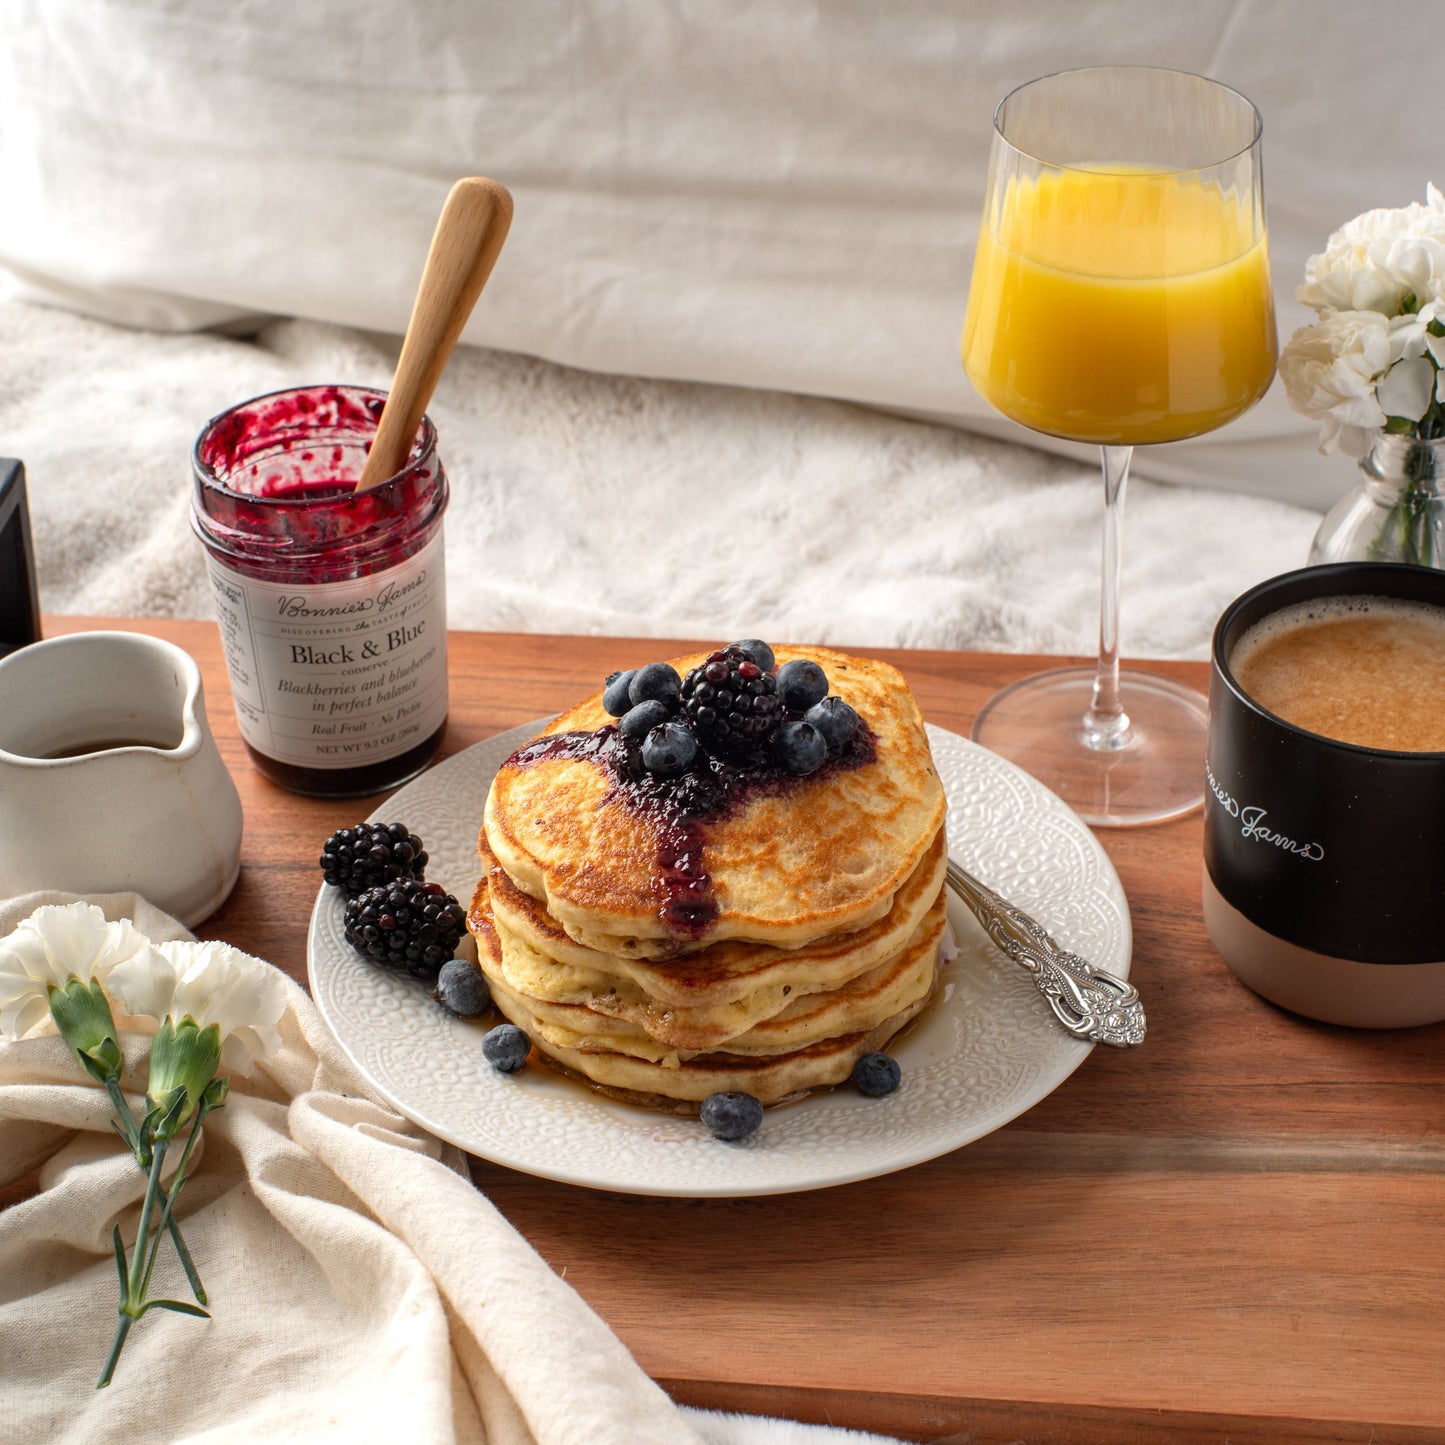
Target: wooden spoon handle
[(469, 234)]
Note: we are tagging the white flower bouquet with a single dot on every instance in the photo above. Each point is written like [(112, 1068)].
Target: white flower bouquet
[(1372, 361), (214, 1006)]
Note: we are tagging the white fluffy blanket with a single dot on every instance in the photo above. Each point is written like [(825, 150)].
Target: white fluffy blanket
[(603, 504)]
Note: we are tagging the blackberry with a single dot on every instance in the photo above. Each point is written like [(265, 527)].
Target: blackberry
[(731, 702), (406, 924), (370, 854)]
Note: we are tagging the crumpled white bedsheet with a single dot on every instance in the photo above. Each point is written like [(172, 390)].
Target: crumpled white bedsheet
[(611, 505)]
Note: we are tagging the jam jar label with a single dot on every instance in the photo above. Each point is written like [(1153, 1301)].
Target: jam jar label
[(336, 674)]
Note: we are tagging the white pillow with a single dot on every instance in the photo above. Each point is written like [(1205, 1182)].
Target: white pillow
[(771, 193)]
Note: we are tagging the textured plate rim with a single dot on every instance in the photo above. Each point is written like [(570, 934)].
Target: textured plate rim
[(1066, 1054)]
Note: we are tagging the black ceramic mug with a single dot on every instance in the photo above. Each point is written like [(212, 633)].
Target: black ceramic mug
[(1324, 861)]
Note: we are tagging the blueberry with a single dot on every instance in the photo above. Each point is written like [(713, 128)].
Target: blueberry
[(462, 989), (800, 747), (731, 1116), (757, 650), (505, 1048), (638, 721), (834, 719), (801, 683), (876, 1075), (614, 692), (657, 682), (669, 748)]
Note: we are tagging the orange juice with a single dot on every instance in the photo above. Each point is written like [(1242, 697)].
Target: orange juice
[(1120, 308)]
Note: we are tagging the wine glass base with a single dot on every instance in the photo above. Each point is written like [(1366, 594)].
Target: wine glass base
[(1158, 772)]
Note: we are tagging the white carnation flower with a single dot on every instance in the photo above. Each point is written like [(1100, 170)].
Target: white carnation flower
[(207, 983), (1330, 371), (55, 944), (1407, 389), (1410, 333), (1372, 262)]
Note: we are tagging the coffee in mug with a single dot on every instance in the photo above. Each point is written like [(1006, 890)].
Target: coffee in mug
[(1324, 816), (1364, 670)]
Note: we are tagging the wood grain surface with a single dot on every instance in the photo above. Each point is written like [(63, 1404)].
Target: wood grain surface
[(1234, 1232)]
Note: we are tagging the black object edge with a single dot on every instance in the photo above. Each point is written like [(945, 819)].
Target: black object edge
[(19, 596)]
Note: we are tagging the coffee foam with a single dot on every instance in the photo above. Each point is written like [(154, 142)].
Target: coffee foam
[(1329, 609), (1362, 669)]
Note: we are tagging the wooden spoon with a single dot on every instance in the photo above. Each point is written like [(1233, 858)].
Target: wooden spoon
[(469, 234)]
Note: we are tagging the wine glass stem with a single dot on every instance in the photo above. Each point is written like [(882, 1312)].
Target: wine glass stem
[(1106, 724)]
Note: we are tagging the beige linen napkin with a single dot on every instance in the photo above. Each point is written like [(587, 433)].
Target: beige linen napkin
[(361, 1287)]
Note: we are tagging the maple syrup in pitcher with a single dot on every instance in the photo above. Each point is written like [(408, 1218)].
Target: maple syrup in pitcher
[(331, 602)]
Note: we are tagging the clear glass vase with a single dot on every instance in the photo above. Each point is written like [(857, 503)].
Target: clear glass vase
[(1396, 513)]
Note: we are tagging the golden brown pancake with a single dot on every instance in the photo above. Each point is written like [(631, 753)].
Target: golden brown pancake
[(763, 1063), (791, 864), (664, 951), (859, 1002), (701, 999)]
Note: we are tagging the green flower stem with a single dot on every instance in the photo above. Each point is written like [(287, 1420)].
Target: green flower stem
[(140, 1146), (126, 1124), (135, 1277), (132, 1299), (118, 1344), (167, 1220), (154, 1190)]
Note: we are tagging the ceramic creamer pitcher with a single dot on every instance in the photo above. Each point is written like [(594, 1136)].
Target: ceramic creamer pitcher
[(110, 779)]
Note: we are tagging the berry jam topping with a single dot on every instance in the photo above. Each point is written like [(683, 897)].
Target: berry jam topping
[(564, 745), (725, 738)]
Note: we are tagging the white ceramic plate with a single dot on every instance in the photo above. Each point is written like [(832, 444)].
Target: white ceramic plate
[(988, 1049)]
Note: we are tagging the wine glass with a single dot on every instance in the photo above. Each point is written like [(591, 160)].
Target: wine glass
[(1120, 295)]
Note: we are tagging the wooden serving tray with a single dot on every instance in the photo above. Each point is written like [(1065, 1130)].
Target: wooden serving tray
[(1234, 1231)]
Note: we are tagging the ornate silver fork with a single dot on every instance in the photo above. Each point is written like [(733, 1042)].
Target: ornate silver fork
[(1089, 1001)]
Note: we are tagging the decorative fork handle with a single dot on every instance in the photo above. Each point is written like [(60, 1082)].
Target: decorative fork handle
[(1089, 1001)]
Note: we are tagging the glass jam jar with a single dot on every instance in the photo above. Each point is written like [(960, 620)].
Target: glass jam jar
[(331, 602)]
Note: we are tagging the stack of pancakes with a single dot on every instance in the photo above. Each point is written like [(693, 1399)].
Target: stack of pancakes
[(815, 905)]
